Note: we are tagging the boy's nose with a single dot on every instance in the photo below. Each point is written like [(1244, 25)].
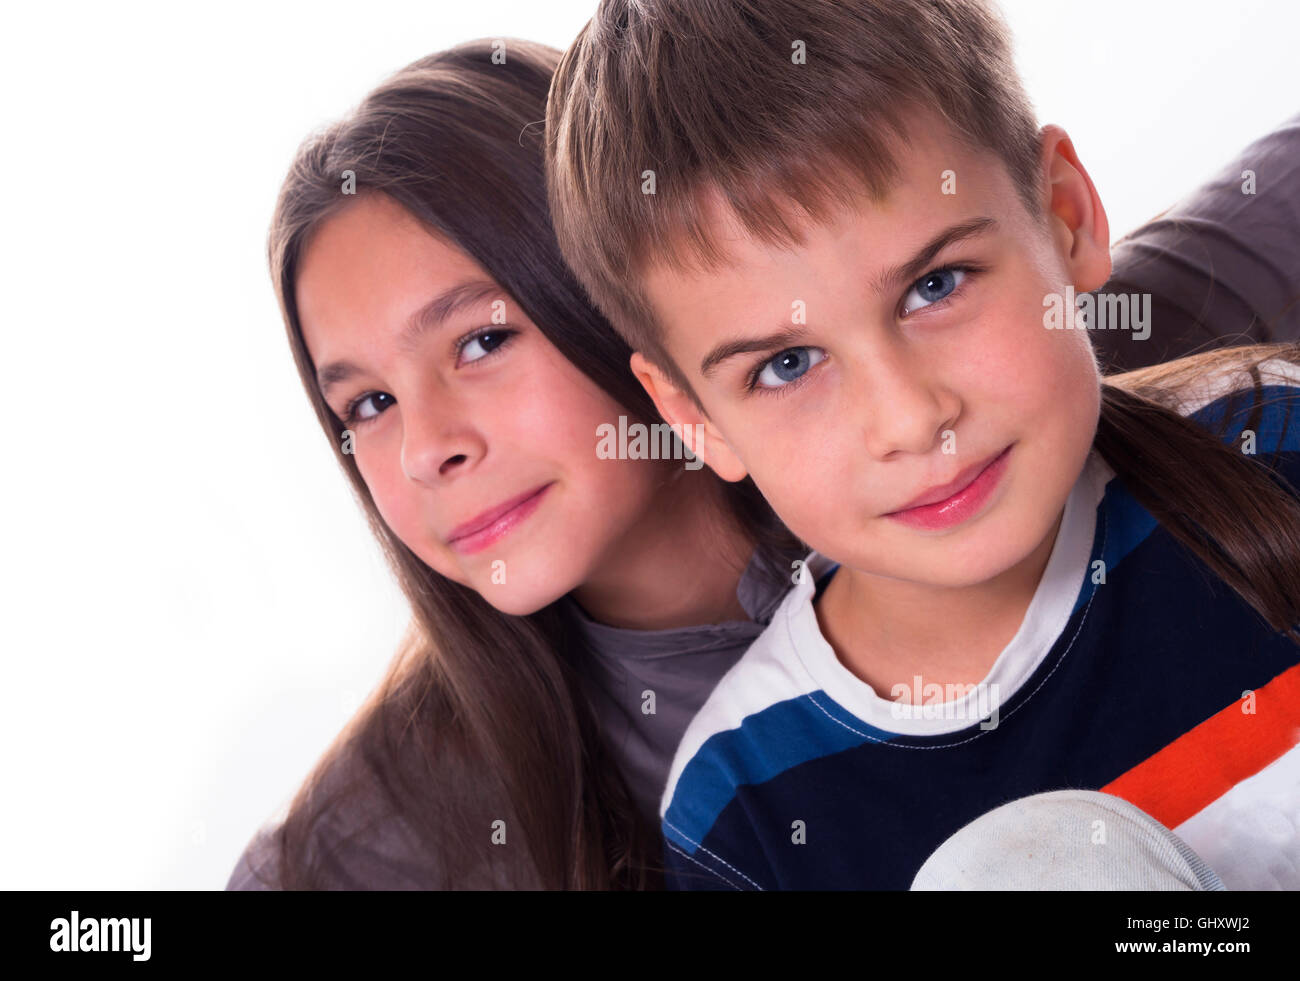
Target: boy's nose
[(905, 407)]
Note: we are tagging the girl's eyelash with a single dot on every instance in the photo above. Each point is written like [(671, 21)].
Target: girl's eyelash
[(507, 332), (751, 383), (349, 418), (349, 411)]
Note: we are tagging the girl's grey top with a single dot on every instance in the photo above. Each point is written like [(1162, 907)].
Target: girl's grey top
[(648, 684), (1222, 266)]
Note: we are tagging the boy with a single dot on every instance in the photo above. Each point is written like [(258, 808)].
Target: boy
[(835, 234)]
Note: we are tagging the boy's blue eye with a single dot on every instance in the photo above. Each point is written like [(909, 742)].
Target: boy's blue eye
[(933, 287), (788, 366)]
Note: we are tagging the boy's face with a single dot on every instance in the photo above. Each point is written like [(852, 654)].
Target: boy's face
[(876, 372)]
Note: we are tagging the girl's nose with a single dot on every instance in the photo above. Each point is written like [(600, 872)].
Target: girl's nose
[(438, 446)]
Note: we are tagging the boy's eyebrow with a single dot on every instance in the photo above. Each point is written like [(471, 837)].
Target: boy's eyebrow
[(910, 271), (887, 281), (729, 349), (433, 314)]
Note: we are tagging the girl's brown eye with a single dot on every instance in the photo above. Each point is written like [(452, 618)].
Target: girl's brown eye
[(484, 343), (353, 412)]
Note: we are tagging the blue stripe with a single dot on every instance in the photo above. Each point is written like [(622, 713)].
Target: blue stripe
[(1276, 430), (766, 744)]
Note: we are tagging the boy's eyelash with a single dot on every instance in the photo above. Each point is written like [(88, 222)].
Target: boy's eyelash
[(751, 382), (970, 269), (752, 386), (350, 410)]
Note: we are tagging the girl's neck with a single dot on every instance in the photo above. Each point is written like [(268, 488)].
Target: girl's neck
[(677, 567)]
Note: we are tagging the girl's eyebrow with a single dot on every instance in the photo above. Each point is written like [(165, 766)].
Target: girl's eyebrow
[(887, 280), (435, 313)]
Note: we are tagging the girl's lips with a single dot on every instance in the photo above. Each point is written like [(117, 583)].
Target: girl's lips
[(493, 525), (960, 506)]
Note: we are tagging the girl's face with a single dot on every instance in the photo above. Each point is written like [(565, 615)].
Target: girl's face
[(475, 436)]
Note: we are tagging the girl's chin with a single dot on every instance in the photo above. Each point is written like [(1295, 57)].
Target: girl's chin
[(521, 599)]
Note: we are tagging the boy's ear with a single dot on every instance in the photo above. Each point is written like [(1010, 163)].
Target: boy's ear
[(699, 435), (1076, 216)]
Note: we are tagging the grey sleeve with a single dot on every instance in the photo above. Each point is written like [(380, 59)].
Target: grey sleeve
[(356, 842), (256, 868), (360, 844), (375, 857), (1222, 266)]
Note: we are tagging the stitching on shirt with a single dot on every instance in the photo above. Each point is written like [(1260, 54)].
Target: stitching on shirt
[(1105, 530), (711, 855), (713, 872)]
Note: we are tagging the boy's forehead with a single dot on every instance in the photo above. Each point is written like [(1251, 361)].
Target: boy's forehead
[(935, 172), (939, 181)]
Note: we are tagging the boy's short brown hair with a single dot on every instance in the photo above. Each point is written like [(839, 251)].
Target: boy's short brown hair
[(713, 95)]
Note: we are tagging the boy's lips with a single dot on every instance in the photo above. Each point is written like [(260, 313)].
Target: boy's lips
[(944, 491)]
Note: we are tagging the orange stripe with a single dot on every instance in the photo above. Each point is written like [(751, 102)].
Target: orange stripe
[(1206, 762)]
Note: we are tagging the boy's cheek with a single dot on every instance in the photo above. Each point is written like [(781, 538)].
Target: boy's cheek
[(804, 498)]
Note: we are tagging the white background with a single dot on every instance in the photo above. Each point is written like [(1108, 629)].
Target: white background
[(191, 604)]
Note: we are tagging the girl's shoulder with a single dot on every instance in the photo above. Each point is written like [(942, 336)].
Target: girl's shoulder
[(1188, 384), (344, 837), (377, 809)]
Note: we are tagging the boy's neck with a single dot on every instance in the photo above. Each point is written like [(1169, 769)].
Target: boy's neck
[(888, 631), (679, 566)]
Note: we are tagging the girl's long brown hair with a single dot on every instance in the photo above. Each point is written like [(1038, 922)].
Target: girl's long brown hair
[(481, 717), (1233, 510)]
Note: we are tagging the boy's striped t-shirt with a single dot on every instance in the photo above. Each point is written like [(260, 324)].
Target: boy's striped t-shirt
[(1136, 671)]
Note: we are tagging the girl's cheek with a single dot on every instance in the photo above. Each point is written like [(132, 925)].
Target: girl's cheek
[(386, 490), (369, 473)]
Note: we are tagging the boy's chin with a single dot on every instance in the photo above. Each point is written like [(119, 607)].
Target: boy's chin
[(966, 557), (996, 550)]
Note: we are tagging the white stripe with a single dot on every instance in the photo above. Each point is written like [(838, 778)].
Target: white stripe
[(1251, 835)]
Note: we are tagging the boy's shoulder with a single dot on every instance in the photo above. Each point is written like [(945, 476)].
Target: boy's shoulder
[(767, 674)]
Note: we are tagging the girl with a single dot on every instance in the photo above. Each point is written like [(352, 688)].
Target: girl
[(461, 376), (512, 742)]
